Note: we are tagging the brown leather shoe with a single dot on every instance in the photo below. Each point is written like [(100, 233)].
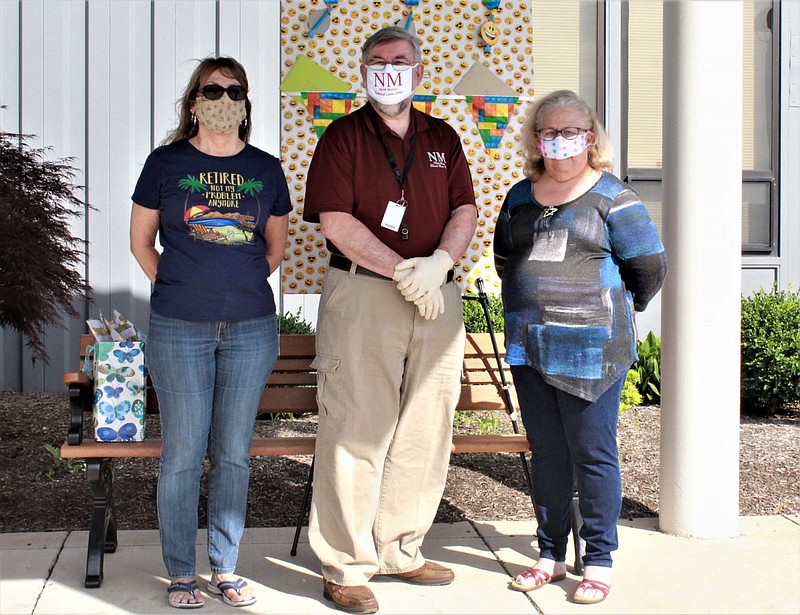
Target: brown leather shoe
[(427, 574), (351, 598)]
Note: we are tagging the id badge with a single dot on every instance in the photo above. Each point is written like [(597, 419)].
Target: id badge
[(393, 216)]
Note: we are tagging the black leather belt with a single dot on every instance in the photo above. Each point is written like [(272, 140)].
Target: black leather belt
[(340, 262)]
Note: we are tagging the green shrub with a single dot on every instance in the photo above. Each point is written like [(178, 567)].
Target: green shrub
[(630, 392), (475, 319), (648, 368), (290, 324), (770, 351)]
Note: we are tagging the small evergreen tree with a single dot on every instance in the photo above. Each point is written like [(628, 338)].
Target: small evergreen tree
[(39, 281)]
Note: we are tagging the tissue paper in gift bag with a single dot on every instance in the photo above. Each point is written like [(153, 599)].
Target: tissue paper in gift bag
[(119, 391)]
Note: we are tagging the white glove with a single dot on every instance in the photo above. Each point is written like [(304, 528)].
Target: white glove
[(428, 274), (430, 306), (403, 269)]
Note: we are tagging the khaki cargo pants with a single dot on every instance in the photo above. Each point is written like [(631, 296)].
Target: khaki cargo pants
[(388, 384)]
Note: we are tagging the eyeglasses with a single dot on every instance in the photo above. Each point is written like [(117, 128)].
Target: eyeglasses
[(381, 65), (569, 133), (212, 91)]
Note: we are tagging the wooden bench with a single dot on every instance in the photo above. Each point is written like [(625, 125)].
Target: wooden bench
[(291, 389)]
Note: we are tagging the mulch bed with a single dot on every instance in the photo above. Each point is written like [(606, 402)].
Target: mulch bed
[(39, 492)]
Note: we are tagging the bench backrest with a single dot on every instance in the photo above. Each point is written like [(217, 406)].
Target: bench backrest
[(292, 387)]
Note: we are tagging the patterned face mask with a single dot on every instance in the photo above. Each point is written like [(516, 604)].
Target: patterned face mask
[(222, 116), (561, 148)]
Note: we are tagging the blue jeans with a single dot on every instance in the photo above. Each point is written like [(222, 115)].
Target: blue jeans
[(209, 377), (572, 441)]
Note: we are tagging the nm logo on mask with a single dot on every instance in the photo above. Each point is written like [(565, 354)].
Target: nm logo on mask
[(437, 160)]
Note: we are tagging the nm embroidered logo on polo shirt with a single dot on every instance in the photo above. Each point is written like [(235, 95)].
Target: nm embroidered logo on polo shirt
[(437, 160)]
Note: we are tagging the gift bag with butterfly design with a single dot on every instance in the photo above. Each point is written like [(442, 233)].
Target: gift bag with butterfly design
[(119, 391)]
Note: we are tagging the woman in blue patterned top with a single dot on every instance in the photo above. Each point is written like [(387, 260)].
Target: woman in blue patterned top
[(578, 256)]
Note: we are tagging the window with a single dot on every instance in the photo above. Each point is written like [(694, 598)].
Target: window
[(642, 157), (567, 50)]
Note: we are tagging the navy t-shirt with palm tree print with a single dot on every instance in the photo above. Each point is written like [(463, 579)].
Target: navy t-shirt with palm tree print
[(213, 210)]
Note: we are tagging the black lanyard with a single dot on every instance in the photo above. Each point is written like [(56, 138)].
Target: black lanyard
[(390, 156)]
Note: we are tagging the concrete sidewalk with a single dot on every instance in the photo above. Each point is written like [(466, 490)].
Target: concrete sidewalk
[(758, 572)]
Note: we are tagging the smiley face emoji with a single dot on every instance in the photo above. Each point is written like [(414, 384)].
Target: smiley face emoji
[(490, 33)]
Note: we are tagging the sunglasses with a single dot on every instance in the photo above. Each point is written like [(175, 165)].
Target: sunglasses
[(212, 91)]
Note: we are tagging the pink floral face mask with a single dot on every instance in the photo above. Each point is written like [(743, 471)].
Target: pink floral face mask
[(222, 116), (561, 148)]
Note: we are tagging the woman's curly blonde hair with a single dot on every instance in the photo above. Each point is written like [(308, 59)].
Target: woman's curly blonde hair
[(601, 152)]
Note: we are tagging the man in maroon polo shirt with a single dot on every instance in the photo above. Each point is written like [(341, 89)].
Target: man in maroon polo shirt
[(392, 190)]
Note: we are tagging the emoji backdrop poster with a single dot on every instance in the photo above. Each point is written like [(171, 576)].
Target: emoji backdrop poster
[(478, 78)]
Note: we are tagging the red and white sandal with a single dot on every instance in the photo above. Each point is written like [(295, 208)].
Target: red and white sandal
[(534, 578), (588, 584)]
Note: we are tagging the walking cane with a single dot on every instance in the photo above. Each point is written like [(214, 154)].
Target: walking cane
[(303, 508), (483, 299), (576, 519)]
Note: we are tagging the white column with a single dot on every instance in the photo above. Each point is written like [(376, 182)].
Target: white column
[(702, 149)]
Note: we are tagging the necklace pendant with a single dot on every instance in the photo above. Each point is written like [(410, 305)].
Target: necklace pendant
[(548, 212)]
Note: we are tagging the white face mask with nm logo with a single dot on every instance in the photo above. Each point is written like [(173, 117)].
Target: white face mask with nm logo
[(389, 86)]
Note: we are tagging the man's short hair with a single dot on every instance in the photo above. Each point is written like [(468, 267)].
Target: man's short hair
[(392, 33)]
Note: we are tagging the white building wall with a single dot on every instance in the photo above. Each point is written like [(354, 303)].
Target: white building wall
[(99, 81)]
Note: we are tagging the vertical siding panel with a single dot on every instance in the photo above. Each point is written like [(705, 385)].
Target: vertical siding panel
[(31, 48), (130, 140), (229, 28), (65, 129), (260, 55), (10, 357), (32, 122), (184, 33), (165, 73), (119, 82), (140, 143), (9, 66), (52, 110), (100, 49)]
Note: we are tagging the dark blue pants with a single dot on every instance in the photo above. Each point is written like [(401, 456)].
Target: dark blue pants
[(572, 441)]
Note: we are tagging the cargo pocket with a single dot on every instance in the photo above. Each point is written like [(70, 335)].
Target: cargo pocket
[(329, 386)]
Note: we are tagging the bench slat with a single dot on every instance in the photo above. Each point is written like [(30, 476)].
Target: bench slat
[(277, 446), (300, 364), (280, 446), (490, 443), (275, 400), (292, 379), (76, 378)]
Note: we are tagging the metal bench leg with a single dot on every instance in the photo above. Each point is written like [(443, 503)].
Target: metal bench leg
[(303, 508), (577, 541), (103, 528)]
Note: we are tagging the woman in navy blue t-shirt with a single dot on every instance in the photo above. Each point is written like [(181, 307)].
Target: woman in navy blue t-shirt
[(219, 207)]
